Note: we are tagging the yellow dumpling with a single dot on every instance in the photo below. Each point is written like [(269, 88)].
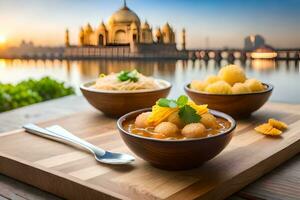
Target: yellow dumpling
[(232, 74), (240, 88), (220, 87), (268, 129), (198, 85), (277, 124), (255, 85), (209, 121), (212, 79)]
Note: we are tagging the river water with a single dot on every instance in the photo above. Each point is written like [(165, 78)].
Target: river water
[(284, 75)]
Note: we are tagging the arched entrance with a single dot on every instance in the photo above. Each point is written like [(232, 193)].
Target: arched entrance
[(158, 39), (100, 40), (120, 37), (134, 38)]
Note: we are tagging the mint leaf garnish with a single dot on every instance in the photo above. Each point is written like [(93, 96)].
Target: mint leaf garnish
[(188, 115), (128, 75), (182, 100), (163, 102)]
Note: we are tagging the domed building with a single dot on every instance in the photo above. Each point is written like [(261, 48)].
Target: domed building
[(124, 35), (124, 27)]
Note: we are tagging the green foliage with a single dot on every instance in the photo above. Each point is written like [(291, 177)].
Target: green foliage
[(170, 103), (182, 100), (186, 113), (163, 102), (30, 92), (128, 75)]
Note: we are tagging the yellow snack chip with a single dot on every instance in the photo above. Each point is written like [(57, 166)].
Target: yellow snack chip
[(277, 124), (268, 129)]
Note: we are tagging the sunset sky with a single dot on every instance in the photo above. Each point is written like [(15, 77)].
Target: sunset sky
[(209, 23)]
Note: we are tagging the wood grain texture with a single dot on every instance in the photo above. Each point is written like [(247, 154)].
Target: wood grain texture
[(248, 156), (282, 183), (11, 189)]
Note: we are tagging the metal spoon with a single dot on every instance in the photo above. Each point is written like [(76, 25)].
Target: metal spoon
[(60, 134)]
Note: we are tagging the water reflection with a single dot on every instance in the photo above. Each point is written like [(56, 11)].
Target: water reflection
[(284, 75), (263, 65)]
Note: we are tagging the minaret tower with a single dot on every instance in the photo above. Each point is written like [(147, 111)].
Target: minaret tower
[(67, 40), (81, 37), (183, 39)]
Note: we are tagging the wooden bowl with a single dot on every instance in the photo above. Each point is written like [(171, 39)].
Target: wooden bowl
[(236, 105), (176, 154), (118, 103)]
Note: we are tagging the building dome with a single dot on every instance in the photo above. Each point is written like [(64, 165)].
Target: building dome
[(124, 16)]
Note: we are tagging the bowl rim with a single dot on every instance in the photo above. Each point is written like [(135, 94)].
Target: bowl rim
[(270, 88), (84, 87), (214, 112)]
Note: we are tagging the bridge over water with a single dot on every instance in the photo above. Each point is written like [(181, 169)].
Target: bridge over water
[(92, 52), (232, 54)]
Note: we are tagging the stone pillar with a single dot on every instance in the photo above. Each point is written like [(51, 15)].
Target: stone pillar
[(183, 39)]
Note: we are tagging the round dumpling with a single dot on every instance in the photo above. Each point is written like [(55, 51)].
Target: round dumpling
[(240, 88), (141, 120), (198, 85), (209, 121), (175, 119), (167, 129), (232, 74), (194, 130), (220, 87), (212, 79), (255, 85)]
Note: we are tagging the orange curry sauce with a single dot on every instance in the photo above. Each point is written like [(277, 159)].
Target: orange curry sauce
[(129, 126)]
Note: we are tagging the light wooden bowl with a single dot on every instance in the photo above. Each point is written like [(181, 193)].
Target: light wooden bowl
[(176, 154), (117, 103), (236, 105)]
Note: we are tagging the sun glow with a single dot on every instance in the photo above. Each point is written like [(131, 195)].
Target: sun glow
[(2, 39)]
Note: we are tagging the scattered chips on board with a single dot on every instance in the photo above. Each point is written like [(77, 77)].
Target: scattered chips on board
[(273, 127)]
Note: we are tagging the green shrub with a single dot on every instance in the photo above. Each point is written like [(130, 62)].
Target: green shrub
[(30, 92)]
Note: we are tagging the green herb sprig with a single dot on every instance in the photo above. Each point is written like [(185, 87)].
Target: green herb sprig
[(186, 113), (128, 75)]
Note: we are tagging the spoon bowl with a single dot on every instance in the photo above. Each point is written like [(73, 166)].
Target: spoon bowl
[(114, 158)]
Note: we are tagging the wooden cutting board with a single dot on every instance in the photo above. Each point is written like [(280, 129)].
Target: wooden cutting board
[(74, 174)]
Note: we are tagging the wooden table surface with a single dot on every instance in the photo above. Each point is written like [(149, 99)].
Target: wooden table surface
[(281, 183)]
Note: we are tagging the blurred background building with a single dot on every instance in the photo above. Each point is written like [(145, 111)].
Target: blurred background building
[(253, 42)]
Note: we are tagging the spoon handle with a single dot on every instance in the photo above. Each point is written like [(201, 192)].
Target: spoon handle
[(61, 136), (61, 131)]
